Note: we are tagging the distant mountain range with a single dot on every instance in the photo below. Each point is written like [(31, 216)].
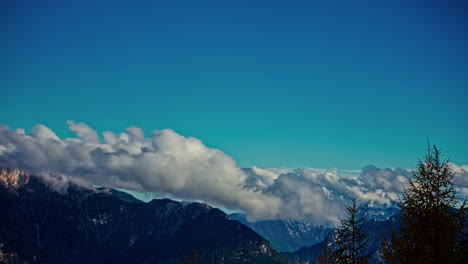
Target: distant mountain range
[(376, 231), (46, 223), (286, 235), (292, 235), (50, 220)]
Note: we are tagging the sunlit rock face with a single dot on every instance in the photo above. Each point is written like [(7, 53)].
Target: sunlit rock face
[(13, 178)]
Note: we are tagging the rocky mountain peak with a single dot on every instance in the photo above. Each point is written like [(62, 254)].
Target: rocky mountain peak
[(103, 225), (13, 178)]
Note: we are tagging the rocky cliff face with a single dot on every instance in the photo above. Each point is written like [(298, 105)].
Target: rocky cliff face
[(87, 225), (13, 178)]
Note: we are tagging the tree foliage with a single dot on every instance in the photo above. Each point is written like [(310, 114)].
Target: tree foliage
[(194, 258), (324, 255), (431, 227), (350, 243)]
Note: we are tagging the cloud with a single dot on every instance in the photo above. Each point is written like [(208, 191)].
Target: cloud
[(166, 164), (461, 178), (171, 165), (388, 180), (268, 175), (84, 132)]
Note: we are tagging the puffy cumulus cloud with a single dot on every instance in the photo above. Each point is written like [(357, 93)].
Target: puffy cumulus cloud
[(461, 178), (265, 173), (166, 164), (302, 198), (387, 180), (171, 165), (84, 132), (461, 174)]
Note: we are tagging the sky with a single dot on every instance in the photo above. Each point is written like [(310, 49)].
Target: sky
[(292, 84)]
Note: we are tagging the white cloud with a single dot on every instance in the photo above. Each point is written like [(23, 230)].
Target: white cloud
[(84, 132), (267, 175), (166, 164), (171, 165), (461, 174)]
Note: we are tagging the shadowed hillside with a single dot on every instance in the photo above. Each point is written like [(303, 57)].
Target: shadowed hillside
[(85, 225)]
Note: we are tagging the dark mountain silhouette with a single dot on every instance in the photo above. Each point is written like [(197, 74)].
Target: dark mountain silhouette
[(49, 223)]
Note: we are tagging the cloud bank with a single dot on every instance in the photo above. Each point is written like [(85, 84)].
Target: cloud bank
[(171, 165)]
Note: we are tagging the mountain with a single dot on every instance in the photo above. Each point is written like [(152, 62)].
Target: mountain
[(376, 231), (50, 220), (286, 235), (291, 235)]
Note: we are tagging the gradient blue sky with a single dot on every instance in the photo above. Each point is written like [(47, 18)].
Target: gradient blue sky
[(272, 83)]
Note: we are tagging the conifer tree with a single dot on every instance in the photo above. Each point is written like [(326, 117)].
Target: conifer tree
[(324, 256), (351, 241), (194, 258), (430, 225)]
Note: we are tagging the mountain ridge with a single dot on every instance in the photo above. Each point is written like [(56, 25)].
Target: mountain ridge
[(39, 224), (289, 235)]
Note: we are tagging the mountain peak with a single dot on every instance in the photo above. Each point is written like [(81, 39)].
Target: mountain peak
[(13, 178), (109, 226)]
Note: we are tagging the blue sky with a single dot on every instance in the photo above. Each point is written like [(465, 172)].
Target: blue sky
[(271, 83)]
